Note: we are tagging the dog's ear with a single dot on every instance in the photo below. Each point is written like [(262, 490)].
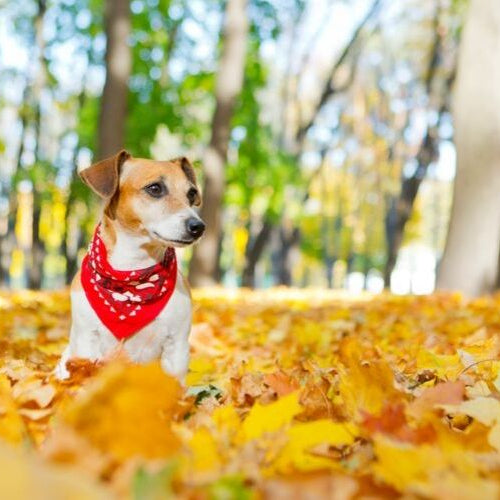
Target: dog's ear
[(102, 177), (189, 172)]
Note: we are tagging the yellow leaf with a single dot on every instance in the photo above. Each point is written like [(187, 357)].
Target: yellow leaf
[(269, 418), (226, 418), (430, 471), (203, 451), (484, 410), (199, 367), (127, 411), (365, 385), (11, 424), (446, 366), (297, 453)]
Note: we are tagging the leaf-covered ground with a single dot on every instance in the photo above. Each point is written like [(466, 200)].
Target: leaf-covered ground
[(290, 395)]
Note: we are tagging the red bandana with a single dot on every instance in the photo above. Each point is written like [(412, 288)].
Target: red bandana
[(126, 301)]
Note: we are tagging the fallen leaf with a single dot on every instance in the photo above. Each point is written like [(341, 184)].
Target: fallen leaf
[(33, 389), (303, 437), (441, 394), (12, 428), (431, 472), (127, 411), (270, 418)]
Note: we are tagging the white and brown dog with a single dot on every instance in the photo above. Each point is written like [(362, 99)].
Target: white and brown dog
[(129, 291)]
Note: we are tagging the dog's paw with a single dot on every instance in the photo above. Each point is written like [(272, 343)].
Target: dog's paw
[(61, 371)]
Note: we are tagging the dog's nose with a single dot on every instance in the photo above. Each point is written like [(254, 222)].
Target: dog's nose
[(195, 227)]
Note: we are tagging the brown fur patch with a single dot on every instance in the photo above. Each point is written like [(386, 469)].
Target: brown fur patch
[(139, 173), (102, 177), (108, 234)]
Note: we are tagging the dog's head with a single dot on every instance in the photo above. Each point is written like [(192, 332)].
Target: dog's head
[(154, 198)]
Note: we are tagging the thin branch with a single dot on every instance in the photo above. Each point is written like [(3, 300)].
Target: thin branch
[(329, 90)]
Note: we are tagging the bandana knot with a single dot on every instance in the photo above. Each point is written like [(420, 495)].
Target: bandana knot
[(126, 301)]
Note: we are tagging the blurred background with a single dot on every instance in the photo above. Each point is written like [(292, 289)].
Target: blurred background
[(325, 133)]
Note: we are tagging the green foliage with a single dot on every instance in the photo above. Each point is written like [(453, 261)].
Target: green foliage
[(153, 485), (155, 97), (88, 118), (262, 172), (230, 488)]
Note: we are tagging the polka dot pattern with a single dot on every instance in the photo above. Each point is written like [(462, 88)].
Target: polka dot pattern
[(126, 301)]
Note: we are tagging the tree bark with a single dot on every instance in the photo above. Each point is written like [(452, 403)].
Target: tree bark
[(70, 252), (205, 261), (470, 259), (400, 210), (111, 135), (254, 251), (36, 258), (289, 239), (35, 274)]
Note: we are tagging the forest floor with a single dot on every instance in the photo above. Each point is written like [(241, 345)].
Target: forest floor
[(291, 394)]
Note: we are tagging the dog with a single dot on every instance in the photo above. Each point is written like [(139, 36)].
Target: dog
[(129, 292)]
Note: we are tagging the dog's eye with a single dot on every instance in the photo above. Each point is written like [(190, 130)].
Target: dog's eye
[(192, 194), (156, 190)]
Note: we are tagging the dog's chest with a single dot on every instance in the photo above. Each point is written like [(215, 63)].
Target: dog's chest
[(147, 344)]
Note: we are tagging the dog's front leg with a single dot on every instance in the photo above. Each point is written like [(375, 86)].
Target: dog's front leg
[(175, 358), (61, 372)]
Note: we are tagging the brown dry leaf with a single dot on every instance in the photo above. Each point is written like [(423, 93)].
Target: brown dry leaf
[(392, 421), (80, 369), (247, 389), (33, 390), (450, 393), (281, 383)]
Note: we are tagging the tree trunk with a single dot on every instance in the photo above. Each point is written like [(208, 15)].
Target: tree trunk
[(205, 262), (35, 275), (70, 251), (113, 113), (253, 253), (470, 259), (289, 238), (400, 210), (37, 255)]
